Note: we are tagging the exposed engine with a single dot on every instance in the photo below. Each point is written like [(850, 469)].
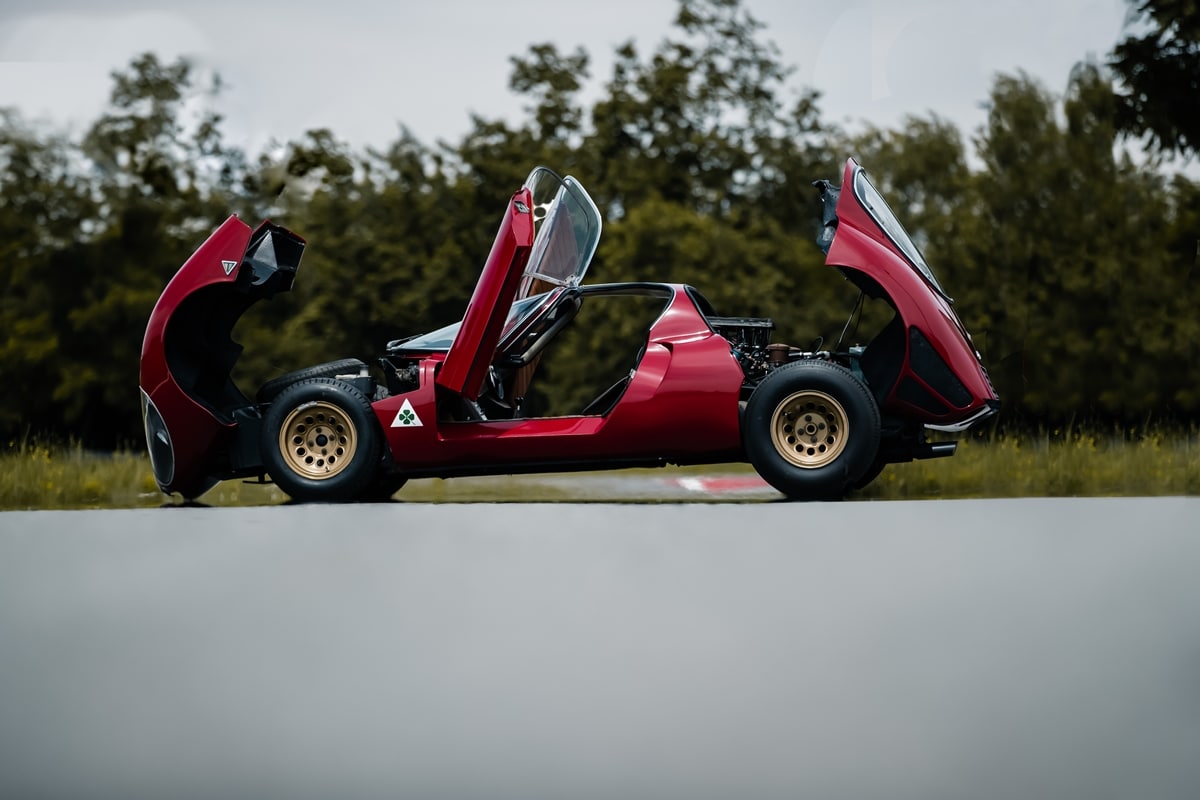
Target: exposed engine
[(750, 338)]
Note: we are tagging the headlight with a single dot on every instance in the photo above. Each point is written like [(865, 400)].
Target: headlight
[(158, 442)]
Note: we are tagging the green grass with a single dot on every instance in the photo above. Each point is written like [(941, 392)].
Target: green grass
[(34, 476), (1043, 465)]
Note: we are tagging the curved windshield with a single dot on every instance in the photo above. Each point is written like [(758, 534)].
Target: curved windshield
[(879, 210), (566, 232)]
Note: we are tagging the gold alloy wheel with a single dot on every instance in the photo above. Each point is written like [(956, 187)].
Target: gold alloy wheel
[(810, 429), (317, 440)]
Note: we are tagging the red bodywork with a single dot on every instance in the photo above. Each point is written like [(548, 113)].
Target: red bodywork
[(196, 429), (187, 355), (862, 246), (681, 403), (686, 382), (483, 321)]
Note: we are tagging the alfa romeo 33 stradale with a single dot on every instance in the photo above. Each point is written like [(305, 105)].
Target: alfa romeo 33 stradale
[(696, 387)]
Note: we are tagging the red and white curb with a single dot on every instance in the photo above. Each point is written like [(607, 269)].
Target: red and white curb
[(723, 484)]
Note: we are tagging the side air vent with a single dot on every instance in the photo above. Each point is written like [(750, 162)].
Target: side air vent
[(930, 367), (883, 358), (917, 395)]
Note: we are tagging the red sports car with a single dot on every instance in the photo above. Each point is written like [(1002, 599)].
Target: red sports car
[(696, 387)]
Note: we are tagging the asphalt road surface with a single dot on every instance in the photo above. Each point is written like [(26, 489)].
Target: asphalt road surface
[(946, 649)]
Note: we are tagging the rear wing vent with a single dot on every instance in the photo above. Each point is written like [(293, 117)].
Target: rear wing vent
[(273, 256)]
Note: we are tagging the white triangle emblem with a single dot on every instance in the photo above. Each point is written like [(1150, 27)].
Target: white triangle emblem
[(406, 417), (228, 265)]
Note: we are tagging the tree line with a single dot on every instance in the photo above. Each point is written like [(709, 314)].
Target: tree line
[(1069, 245)]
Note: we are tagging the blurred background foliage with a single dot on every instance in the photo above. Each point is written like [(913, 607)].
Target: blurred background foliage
[(1061, 226)]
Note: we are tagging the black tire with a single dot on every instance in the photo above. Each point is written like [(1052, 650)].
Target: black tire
[(343, 366), (871, 474), (321, 441), (811, 429), (383, 487)]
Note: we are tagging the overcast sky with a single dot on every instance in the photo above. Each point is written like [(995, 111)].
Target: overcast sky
[(363, 68)]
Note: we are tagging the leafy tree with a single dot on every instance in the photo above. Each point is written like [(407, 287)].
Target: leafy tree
[(922, 169), (164, 183), (1181, 283), (98, 228), (696, 122), (396, 240), (1158, 65), (1075, 266), (552, 80), (43, 204), (1072, 256)]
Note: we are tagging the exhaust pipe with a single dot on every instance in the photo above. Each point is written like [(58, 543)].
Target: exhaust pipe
[(934, 450)]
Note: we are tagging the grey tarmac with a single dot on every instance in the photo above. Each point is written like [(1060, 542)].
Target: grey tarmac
[(1027, 648)]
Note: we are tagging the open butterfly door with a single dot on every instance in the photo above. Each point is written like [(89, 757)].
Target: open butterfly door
[(547, 238)]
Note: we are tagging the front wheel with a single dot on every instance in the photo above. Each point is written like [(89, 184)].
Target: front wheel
[(873, 472), (811, 429), (321, 441)]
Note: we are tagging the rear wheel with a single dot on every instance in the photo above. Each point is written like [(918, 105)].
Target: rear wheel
[(321, 441), (811, 429), (383, 487), (343, 366)]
